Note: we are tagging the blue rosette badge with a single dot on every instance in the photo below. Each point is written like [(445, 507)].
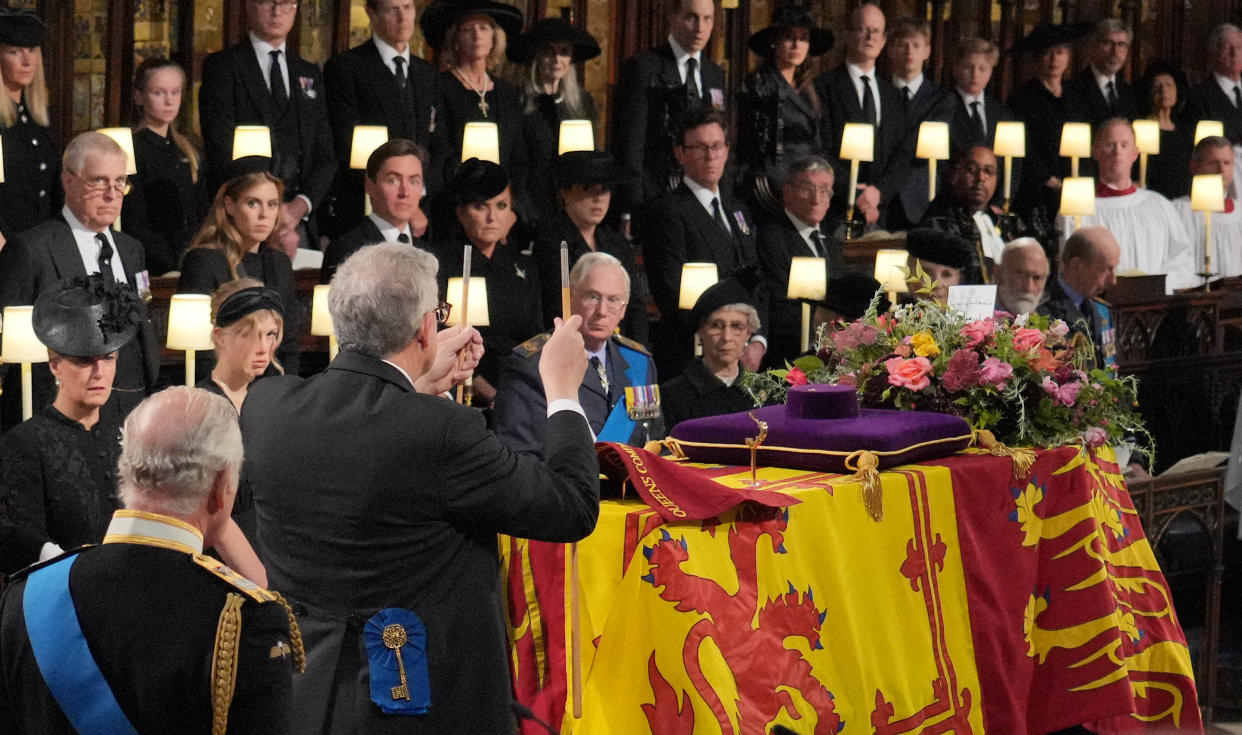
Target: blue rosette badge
[(396, 642)]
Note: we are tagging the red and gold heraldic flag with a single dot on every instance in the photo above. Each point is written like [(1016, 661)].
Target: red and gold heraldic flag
[(978, 603)]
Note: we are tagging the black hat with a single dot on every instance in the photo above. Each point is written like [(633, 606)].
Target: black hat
[(21, 28), (552, 30), (850, 293), (790, 16), (247, 301), (722, 293), (86, 316), (1046, 35), (938, 246), (239, 167), (584, 168), (476, 181), (442, 14)]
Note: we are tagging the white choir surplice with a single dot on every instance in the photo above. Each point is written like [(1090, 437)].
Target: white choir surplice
[(1226, 237), (1151, 234)]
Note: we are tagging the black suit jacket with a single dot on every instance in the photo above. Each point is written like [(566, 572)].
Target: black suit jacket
[(29, 264), (521, 407), (362, 234), (931, 102), (963, 133), (1209, 102), (646, 121), (409, 521), (1059, 305), (234, 93), (1086, 102), (839, 105), (674, 230), (697, 393), (149, 616), (363, 90), (778, 243)]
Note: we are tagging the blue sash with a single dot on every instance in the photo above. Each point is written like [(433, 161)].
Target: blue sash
[(619, 427), (63, 656), (1108, 346)]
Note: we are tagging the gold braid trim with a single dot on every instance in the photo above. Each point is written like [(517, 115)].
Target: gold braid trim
[(224, 662), (678, 447), (866, 471), (1023, 459), (295, 635)]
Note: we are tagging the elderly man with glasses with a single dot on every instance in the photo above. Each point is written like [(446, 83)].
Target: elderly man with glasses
[(78, 242), (619, 392)]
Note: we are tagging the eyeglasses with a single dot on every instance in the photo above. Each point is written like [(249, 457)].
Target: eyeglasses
[(982, 172), (612, 303), (281, 6), (866, 32), (808, 192), (442, 313), (718, 327), (707, 151), (100, 184)]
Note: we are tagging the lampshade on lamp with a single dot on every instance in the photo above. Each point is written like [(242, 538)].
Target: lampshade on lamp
[(19, 344), (366, 139), (808, 281), (124, 137), (1010, 139), (728, 4), (321, 318), (1147, 136), (1078, 197), (1207, 195), (889, 265), (858, 142), (1075, 143), (478, 316), (576, 135), (252, 140), (481, 140), (933, 143), (189, 328), (1207, 128), (695, 279)]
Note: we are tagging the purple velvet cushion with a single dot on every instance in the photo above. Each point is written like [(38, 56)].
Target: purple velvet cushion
[(826, 420)]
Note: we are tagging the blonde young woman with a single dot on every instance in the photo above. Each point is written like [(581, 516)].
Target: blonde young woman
[(231, 245), (31, 193)]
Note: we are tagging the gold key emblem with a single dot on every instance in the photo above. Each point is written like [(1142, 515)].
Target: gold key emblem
[(394, 638)]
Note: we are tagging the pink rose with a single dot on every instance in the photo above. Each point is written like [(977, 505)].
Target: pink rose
[(995, 372), (1064, 394), (962, 372), (976, 332), (795, 377), (910, 373), (1095, 436), (1027, 339), (1058, 328)]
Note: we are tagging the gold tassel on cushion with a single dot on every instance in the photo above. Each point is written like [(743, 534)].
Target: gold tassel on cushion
[(1023, 459), (224, 662), (866, 471)]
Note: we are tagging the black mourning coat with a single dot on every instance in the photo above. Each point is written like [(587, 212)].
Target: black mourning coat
[(541, 129), (346, 244), (931, 102), (1209, 102), (776, 124), (697, 393), (778, 243), (165, 205), (1087, 103), (30, 193)]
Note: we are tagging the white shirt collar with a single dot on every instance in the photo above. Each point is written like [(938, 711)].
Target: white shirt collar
[(403, 372), (967, 99), (1226, 85), (680, 54), (137, 525), (388, 230), (1102, 81), (388, 53), (856, 73), (88, 246), (803, 228), (263, 49), (914, 84), (705, 197)]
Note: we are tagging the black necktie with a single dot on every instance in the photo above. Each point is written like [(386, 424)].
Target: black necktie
[(977, 119), (1237, 95), (276, 80), (599, 370), (400, 62), (909, 95), (692, 87), (1112, 96), (719, 216), (868, 100), (105, 257), (817, 243), (403, 238)]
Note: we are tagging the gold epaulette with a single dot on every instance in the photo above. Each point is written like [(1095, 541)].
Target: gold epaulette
[(222, 570), (632, 344), (532, 346)]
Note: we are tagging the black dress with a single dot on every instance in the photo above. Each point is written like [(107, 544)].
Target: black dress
[(203, 270), (515, 313), (31, 192), (542, 129), (697, 393), (59, 484), (460, 105), (776, 124), (547, 255), (1169, 172), (165, 206), (1044, 114)]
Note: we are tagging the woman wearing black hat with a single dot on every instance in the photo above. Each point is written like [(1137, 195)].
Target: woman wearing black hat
[(31, 192), (483, 205), (169, 196), (1162, 97), (1040, 104), (469, 37), (551, 94), (779, 117), (585, 181), (230, 245)]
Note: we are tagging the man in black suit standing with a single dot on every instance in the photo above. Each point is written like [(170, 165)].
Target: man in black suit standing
[(909, 47), (404, 533), (395, 184), (697, 222), (854, 93), (799, 231), (77, 242), (1098, 92), (1219, 97), (380, 83), (261, 81), (658, 87)]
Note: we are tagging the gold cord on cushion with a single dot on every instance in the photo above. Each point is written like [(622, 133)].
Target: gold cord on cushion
[(1023, 459), (224, 662), (865, 466), (295, 636)]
